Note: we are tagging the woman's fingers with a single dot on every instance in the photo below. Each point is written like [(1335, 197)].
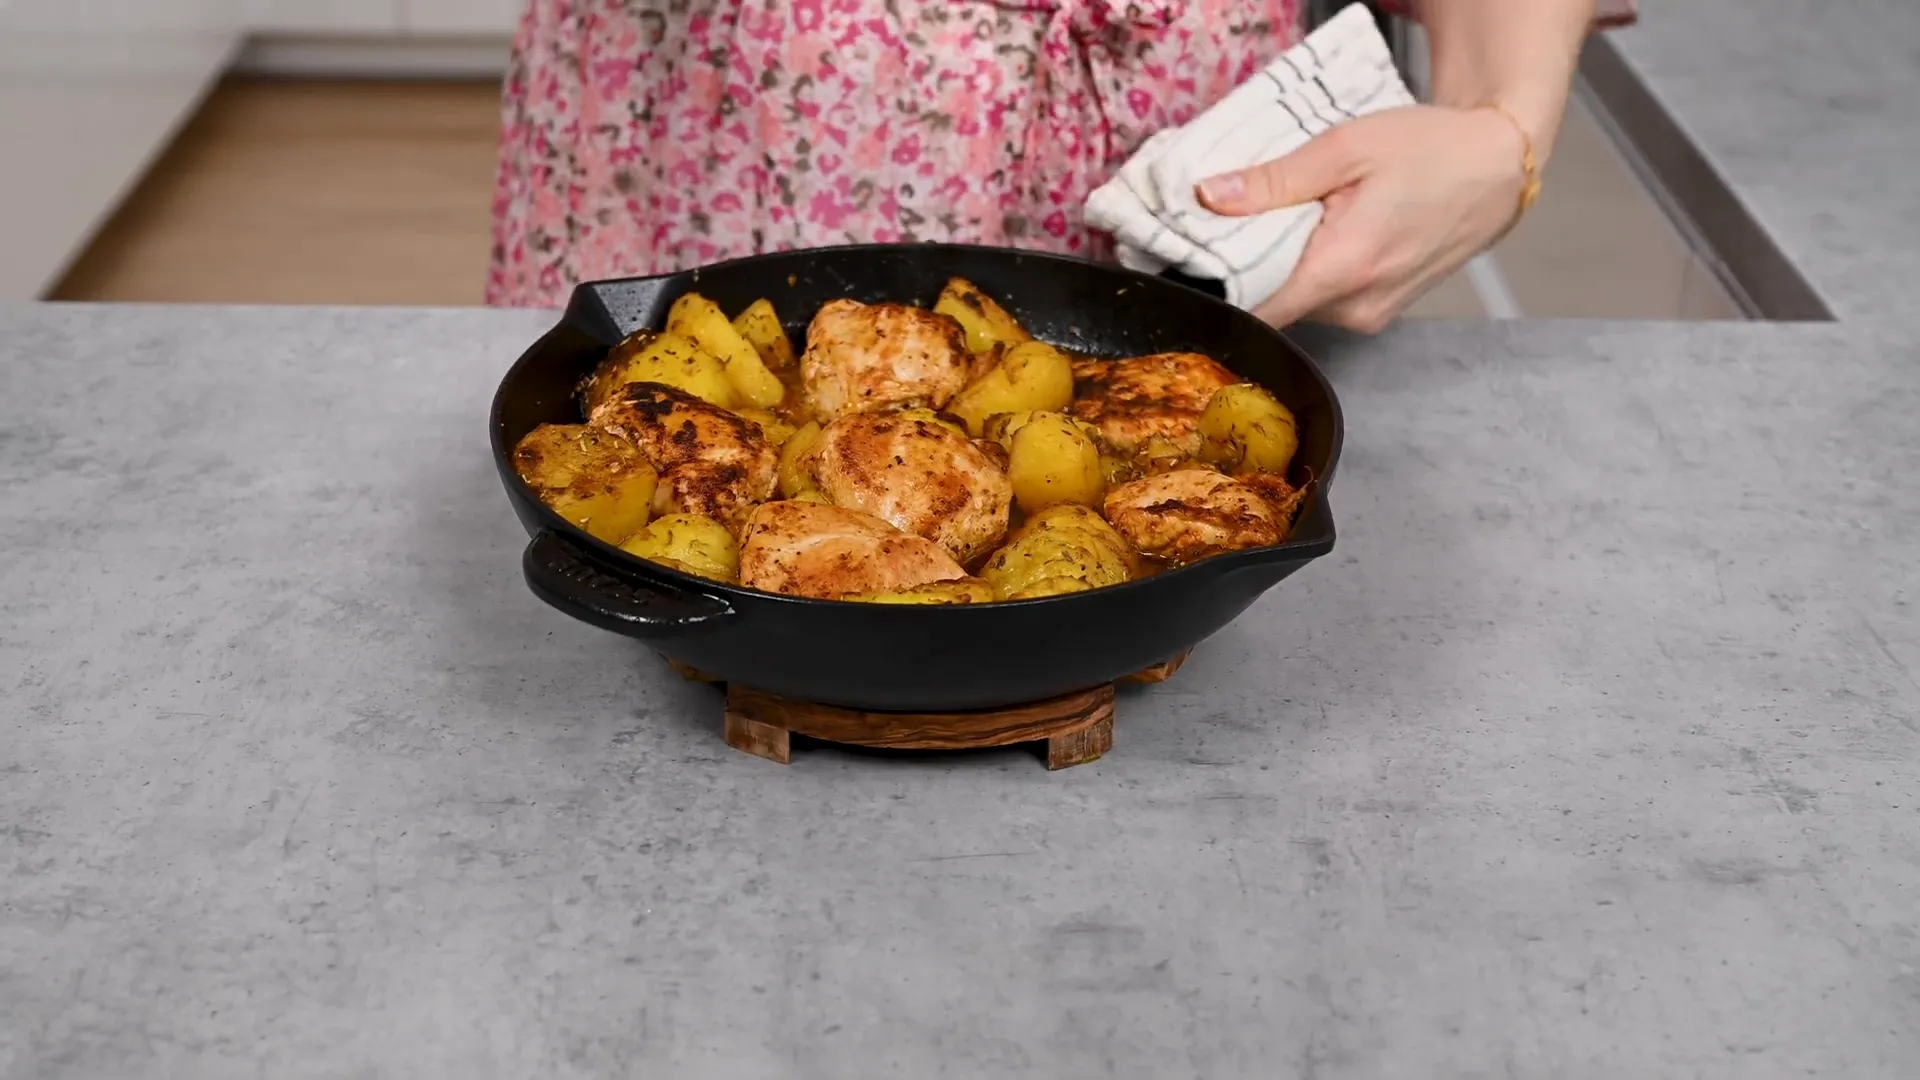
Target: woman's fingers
[(1334, 264), (1424, 189), (1327, 162)]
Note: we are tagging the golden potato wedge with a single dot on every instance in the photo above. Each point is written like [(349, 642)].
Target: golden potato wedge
[(1063, 548), (760, 326), (1032, 377), (775, 427), (691, 543), (668, 358), (1246, 429), (1049, 586), (794, 477), (1117, 469), (945, 420), (595, 479), (1161, 454), (1050, 460), (987, 324), (1001, 427), (700, 320), (963, 591)]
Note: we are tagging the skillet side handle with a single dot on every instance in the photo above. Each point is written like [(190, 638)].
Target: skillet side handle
[(560, 574)]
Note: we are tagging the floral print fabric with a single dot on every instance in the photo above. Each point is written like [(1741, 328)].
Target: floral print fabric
[(642, 136)]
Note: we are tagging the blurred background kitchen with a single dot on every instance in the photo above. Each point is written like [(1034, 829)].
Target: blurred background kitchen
[(341, 152)]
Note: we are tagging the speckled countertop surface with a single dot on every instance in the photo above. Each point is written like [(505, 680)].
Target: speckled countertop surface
[(1591, 752)]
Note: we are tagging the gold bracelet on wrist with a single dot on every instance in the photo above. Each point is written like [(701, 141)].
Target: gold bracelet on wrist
[(1528, 164)]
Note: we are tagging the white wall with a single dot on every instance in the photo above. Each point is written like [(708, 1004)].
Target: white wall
[(461, 16), (385, 17), (323, 16), (90, 92)]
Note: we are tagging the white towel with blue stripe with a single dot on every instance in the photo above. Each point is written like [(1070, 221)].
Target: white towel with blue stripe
[(1342, 70)]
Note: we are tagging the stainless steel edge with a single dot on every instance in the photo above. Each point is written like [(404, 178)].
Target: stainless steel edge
[(1699, 201)]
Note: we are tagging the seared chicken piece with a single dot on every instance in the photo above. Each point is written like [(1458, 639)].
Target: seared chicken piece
[(1285, 499), (918, 475), (711, 461), (879, 356), (805, 549), (1132, 400), (1192, 513)]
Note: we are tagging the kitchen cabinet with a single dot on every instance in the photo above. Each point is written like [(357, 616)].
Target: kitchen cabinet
[(90, 92), (489, 17)]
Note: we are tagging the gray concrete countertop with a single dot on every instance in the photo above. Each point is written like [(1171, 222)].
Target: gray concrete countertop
[(1811, 112), (1591, 752)]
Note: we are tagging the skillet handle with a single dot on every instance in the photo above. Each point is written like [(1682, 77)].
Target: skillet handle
[(561, 574)]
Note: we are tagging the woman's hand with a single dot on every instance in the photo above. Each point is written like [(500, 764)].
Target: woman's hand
[(1410, 195)]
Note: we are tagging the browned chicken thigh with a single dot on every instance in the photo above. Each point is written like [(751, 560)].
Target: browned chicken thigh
[(1191, 513), (806, 549), (880, 356), (711, 461), (920, 476), (1133, 400)]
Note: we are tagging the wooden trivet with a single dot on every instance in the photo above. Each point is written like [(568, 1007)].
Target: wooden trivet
[(1076, 728)]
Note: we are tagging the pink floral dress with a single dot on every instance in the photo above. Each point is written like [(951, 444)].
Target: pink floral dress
[(642, 136)]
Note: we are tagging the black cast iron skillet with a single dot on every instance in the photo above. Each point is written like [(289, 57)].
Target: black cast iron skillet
[(907, 658)]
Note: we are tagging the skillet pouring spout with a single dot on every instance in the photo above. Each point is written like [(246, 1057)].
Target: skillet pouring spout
[(907, 658)]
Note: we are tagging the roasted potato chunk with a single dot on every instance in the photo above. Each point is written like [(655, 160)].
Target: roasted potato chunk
[(1246, 429), (700, 320), (595, 479), (761, 327), (1064, 548), (1001, 427), (796, 478), (987, 324), (1160, 454), (1050, 460), (667, 358), (963, 591), (691, 543), (775, 427), (946, 420), (1031, 377), (1117, 469)]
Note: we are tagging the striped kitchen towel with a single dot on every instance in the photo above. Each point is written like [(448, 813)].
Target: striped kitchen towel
[(1342, 70)]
